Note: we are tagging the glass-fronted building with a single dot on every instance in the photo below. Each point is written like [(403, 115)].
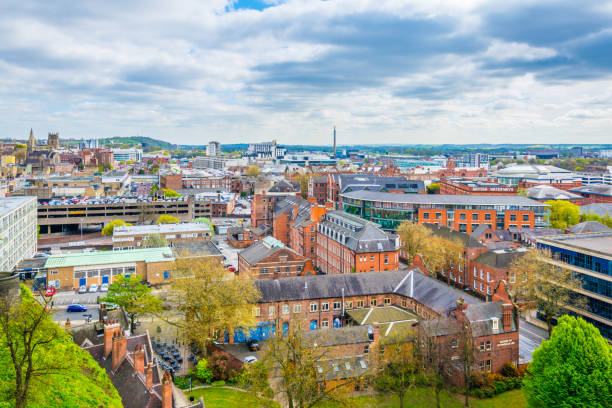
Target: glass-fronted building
[(462, 213), (590, 256)]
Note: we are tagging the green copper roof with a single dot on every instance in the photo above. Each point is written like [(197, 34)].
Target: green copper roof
[(109, 257)]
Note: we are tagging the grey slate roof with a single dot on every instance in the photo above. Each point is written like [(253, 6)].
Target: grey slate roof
[(546, 192), (468, 241), (444, 199), (337, 336), (357, 182), (479, 230), (499, 258), (600, 209), (356, 233), (261, 250), (588, 226), (480, 318), (426, 290), (599, 189)]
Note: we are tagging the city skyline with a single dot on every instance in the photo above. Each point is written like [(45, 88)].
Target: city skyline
[(383, 72)]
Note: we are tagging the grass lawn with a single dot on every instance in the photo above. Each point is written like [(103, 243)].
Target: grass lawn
[(225, 398), (508, 399)]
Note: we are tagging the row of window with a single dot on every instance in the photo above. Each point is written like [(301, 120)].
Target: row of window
[(482, 274), (482, 287), (314, 306)]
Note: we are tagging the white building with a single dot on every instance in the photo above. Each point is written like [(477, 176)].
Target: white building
[(124, 155), (213, 149), (219, 163), (17, 230), (266, 150)]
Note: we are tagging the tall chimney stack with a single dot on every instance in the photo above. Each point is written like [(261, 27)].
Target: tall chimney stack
[(334, 141)]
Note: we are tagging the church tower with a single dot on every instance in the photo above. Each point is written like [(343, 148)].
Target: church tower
[(31, 141)]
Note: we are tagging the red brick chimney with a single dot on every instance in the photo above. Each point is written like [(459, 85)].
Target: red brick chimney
[(111, 329), (167, 390), (461, 305), (139, 359), (148, 377), (507, 316), (417, 262), (119, 350)]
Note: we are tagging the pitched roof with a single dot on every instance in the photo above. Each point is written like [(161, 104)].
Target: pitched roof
[(588, 226), (109, 257), (379, 315), (481, 318), (547, 192), (468, 241), (425, 290), (600, 209), (500, 258), (356, 233), (263, 249), (338, 336), (598, 189)]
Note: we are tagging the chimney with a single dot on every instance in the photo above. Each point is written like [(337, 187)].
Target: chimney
[(139, 359), (148, 377), (119, 350), (373, 334), (167, 390), (102, 312), (461, 305), (295, 210), (219, 197), (111, 329), (507, 316)]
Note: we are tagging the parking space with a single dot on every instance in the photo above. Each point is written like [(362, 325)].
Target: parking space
[(67, 298), (230, 253), (60, 314)]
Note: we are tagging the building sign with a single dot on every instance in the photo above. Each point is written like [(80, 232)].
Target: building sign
[(506, 342)]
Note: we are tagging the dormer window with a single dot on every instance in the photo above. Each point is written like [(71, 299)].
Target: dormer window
[(495, 323)]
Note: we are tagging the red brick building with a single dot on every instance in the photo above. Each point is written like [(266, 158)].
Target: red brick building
[(490, 268), (271, 259), (317, 189), (347, 244), (262, 207), (465, 186)]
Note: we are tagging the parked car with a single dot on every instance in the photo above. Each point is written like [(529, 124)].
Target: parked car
[(50, 292), (253, 345), (104, 287), (250, 359), (82, 289), (93, 288), (231, 269), (76, 308)]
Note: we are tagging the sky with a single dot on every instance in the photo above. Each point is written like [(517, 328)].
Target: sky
[(381, 71)]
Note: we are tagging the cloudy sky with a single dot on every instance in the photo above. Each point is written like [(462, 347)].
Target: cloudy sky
[(382, 71)]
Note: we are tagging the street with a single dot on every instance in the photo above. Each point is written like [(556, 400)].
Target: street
[(530, 337), (230, 253)]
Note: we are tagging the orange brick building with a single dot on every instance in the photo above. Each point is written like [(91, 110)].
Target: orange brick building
[(271, 259), (465, 186)]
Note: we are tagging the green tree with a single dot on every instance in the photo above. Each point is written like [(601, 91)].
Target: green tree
[(208, 222), (397, 370), (253, 171), (40, 366), (204, 373), (167, 219), (133, 296), (563, 214), (170, 193), (110, 227), (433, 188), (572, 369), (154, 241)]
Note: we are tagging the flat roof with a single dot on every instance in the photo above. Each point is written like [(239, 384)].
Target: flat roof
[(160, 229), (600, 243), (148, 255), (443, 199), (8, 204)]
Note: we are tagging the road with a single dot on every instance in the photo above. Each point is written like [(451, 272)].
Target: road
[(230, 253), (530, 337), (61, 300)]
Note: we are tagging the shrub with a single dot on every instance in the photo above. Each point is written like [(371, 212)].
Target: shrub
[(219, 383), (509, 370), (181, 382), (204, 373)]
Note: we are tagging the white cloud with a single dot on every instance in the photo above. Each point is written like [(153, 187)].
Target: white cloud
[(505, 51)]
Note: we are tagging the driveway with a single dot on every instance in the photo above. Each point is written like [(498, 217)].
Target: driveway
[(230, 253), (530, 338)]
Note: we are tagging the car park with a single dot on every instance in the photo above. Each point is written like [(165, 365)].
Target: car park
[(104, 287), (93, 288), (82, 289), (76, 308)]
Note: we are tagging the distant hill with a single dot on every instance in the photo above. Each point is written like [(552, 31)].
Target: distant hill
[(148, 143)]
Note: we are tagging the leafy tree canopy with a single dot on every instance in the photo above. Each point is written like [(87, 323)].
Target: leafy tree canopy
[(563, 214), (170, 193), (167, 219), (572, 369), (110, 227), (133, 296)]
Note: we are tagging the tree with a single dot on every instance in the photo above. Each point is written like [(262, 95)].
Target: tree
[(154, 241), (413, 237), (253, 171), (207, 300), (167, 219), (133, 296), (571, 369), (563, 214), (110, 227), (39, 363), (433, 188), (397, 370), (208, 222), (533, 277), (304, 373), (170, 193), (204, 373)]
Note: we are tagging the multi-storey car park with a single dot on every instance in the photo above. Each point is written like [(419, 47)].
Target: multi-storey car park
[(462, 213), (17, 230)]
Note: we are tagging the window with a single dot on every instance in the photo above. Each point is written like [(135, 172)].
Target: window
[(454, 343), (462, 216), (525, 217), (488, 366), (372, 302), (475, 216), (512, 217), (488, 290), (271, 310), (325, 324), (264, 270), (348, 304), (488, 344), (360, 304), (482, 346), (54, 272), (299, 268), (426, 215), (366, 349), (297, 308), (475, 272), (314, 307), (404, 303), (257, 311), (488, 276), (386, 259), (285, 309), (438, 215), (371, 257), (336, 305), (481, 274), (482, 287), (387, 301), (324, 306), (487, 217), (513, 278), (475, 285)]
